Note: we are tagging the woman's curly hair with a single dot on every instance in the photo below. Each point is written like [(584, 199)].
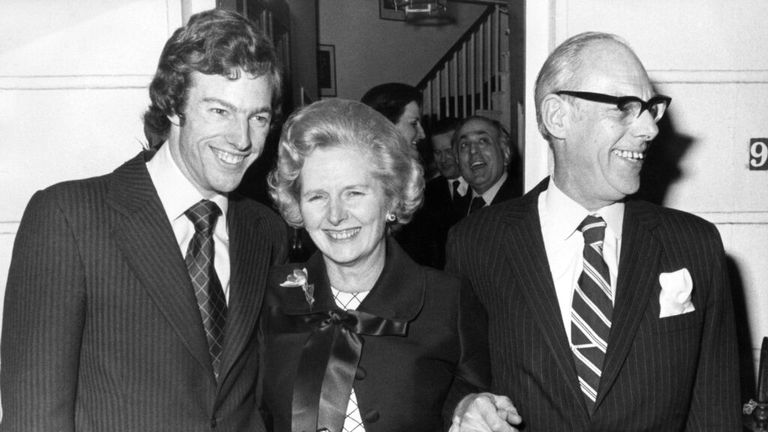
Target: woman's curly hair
[(344, 123)]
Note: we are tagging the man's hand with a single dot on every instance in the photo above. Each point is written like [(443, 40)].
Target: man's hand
[(485, 412)]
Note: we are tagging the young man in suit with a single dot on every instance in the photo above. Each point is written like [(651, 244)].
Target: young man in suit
[(132, 298), (484, 152), (605, 313)]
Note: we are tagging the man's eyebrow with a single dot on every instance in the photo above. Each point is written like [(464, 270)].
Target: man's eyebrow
[(231, 107), (220, 102)]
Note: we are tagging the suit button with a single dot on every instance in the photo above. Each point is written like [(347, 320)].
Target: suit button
[(360, 373), (371, 416)]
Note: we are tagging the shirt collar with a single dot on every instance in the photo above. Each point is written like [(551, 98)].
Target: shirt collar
[(463, 185), (176, 192), (562, 215), (490, 194)]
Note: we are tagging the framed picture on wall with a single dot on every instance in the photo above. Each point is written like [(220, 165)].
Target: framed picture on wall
[(326, 70), (388, 11)]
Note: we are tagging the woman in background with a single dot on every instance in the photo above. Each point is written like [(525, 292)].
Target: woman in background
[(360, 334), (400, 104)]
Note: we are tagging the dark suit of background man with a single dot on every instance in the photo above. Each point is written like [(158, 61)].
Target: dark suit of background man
[(671, 360), (102, 330), (444, 198), (484, 151)]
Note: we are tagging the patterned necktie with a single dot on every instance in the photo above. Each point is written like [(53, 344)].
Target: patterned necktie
[(352, 422), (591, 310), (477, 203), (210, 296)]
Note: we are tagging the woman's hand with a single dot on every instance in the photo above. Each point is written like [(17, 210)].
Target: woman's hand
[(485, 412)]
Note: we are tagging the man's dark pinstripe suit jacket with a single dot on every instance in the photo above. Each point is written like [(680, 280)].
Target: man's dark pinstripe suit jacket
[(101, 328), (677, 373)]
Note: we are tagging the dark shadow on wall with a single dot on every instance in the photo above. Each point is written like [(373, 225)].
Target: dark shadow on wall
[(662, 162)]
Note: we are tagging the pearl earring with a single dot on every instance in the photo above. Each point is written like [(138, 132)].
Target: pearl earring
[(391, 217)]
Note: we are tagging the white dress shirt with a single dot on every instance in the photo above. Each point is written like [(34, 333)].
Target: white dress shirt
[(560, 217), (178, 194)]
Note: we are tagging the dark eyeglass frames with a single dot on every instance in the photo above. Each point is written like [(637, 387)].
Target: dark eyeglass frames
[(630, 106)]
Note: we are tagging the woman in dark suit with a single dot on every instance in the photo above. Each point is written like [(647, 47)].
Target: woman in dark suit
[(360, 334)]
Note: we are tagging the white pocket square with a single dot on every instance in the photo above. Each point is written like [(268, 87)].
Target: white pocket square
[(675, 297)]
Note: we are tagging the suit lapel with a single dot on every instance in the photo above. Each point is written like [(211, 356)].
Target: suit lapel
[(398, 294), (638, 272), (250, 257), (146, 239), (507, 191), (535, 279)]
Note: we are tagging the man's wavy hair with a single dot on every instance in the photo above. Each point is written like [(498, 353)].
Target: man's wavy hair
[(331, 123), (214, 42)]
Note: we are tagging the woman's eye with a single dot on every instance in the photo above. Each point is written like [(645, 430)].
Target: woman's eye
[(218, 111)]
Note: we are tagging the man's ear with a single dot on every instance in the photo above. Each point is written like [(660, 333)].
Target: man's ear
[(554, 115), (507, 151), (175, 119)]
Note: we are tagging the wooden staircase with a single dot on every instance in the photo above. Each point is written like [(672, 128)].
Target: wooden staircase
[(472, 78)]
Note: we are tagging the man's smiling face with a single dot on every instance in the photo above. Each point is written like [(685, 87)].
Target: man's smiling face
[(599, 161), (221, 130), (483, 156)]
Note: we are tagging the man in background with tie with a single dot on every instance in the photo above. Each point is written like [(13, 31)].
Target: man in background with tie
[(484, 151), (132, 298), (605, 313), (444, 198)]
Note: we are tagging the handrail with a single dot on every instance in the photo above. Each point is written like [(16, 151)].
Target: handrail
[(456, 47)]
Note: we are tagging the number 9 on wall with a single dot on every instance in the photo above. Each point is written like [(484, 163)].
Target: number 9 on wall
[(758, 154)]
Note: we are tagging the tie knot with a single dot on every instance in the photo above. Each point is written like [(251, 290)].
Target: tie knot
[(477, 203), (203, 215), (593, 228)]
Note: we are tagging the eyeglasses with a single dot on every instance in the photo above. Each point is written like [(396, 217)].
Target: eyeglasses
[(630, 106)]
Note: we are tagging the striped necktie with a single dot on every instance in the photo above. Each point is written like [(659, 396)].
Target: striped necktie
[(210, 296), (353, 421), (591, 310)]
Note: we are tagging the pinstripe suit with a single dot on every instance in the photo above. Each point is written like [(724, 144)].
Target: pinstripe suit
[(671, 374), (101, 328)]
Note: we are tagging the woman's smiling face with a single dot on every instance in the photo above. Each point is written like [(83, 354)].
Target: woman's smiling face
[(343, 206)]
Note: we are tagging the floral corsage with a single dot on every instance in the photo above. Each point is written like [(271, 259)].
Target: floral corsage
[(299, 279)]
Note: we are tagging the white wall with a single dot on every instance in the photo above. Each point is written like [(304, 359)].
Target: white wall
[(709, 56), (73, 87), (372, 51)]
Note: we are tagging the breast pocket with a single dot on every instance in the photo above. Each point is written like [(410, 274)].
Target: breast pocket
[(676, 323)]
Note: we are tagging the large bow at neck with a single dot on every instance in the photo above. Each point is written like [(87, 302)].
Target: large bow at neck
[(329, 361)]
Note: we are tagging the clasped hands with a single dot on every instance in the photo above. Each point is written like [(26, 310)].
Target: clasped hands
[(485, 412)]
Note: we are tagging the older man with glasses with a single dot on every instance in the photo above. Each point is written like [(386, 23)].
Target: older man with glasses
[(605, 312)]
